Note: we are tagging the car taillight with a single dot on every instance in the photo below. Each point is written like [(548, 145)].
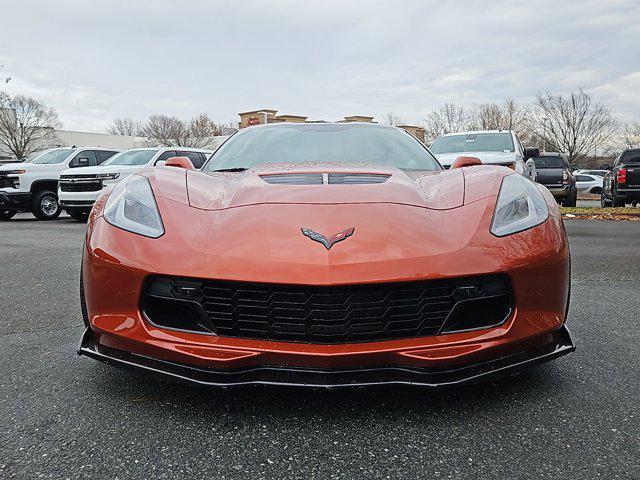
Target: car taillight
[(565, 177), (622, 175)]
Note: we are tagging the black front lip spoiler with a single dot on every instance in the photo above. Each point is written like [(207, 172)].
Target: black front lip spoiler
[(346, 377)]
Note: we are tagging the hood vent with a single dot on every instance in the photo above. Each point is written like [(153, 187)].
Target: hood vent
[(320, 178), (294, 179), (357, 178)]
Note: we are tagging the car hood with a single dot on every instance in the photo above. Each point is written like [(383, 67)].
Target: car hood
[(124, 169), (220, 190), (485, 157), (30, 167)]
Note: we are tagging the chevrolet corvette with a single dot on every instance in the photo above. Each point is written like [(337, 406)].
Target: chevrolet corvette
[(325, 254)]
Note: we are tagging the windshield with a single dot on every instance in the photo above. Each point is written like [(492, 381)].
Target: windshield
[(473, 142), (549, 162), (632, 156), (132, 157), (327, 142), (52, 156)]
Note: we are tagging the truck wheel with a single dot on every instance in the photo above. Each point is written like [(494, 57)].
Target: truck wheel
[(604, 201), (618, 203), (7, 214), (571, 198), (45, 205)]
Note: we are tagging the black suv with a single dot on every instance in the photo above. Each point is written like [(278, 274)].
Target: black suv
[(553, 171), (622, 184)]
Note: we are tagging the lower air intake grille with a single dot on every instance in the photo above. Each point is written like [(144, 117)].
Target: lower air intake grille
[(328, 315)]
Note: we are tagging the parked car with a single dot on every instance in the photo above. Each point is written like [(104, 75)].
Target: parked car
[(79, 188), (597, 173), (32, 186), (492, 147), (553, 171), (589, 183), (303, 254), (622, 183)]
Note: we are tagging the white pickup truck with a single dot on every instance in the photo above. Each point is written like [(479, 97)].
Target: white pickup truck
[(79, 188), (32, 186), (492, 147)]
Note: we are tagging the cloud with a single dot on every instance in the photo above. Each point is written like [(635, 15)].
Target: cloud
[(94, 61)]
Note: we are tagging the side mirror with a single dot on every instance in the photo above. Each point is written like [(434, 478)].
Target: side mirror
[(466, 162), (180, 162), (530, 152)]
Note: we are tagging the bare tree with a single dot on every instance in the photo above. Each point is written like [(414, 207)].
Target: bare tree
[(124, 126), (391, 119), (508, 116), (573, 124), (26, 125), (449, 118), (630, 137), (169, 131)]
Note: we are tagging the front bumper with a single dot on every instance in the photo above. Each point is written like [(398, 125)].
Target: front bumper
[(15, 200), (556, 344), (629, 194), (558, 192)]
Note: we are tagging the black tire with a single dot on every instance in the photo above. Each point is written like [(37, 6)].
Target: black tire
[(618, 203), (596, 191), (571, 198), (81, 217), (45, 205), (6, 215), (604, 201)]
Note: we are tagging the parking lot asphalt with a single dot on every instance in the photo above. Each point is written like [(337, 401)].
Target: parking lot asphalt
[(64, 416)]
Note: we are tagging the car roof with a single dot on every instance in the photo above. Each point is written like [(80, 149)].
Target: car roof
[(551, 154), (473, 132)]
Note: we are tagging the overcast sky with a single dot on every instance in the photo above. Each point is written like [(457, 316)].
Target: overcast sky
[(94, 61)]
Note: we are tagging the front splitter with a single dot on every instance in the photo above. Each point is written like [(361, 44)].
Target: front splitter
[(331, 378)]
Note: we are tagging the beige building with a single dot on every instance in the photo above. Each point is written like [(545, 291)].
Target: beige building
[(266, 115)]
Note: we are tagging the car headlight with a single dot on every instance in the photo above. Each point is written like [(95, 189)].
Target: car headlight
[(520, 206), (107, 176), (132, 207), (15, 172)]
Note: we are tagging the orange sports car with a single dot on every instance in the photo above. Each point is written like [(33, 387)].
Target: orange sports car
[(325, 255)]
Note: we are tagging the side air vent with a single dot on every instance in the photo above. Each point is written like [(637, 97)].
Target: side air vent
[(357, 178), (293, 179)]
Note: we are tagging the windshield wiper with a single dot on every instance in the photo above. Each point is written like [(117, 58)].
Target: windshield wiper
[(232, 169)]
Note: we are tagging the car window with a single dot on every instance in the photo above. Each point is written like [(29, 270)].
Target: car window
[(132, 157), (197, 159), (631, 156), (53, 156), (473, 142), (584, 178), (519, 144), (164, 156), (85, 158), (549, 161), (103, 155)]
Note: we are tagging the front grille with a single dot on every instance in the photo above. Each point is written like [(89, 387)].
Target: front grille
[(328, 314), (6, 182), (79, 175), (81, 187)]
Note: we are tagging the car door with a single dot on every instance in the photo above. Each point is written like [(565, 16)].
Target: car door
[(84, 158)]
